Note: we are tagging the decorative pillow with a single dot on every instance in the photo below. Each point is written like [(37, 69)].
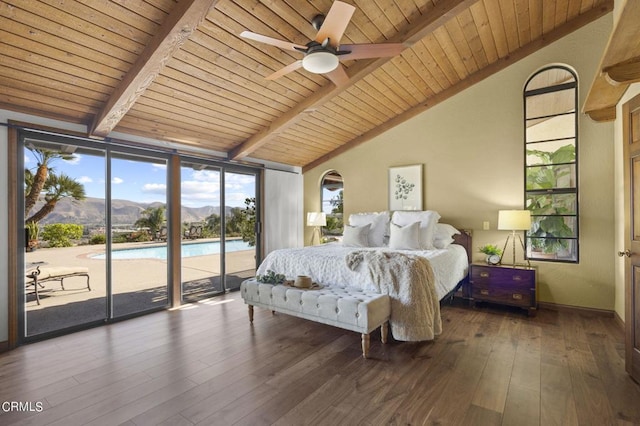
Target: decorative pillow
[(379, 225), (405, 237), (356, 236), (427, 219)]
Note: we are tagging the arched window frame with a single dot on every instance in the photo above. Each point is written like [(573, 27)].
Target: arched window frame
[(335, 224), (554, 202)]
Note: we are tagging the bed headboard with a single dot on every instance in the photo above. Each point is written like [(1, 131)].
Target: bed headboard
[(464, 238)]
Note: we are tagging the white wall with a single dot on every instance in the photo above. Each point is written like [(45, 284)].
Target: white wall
[(283, 215)]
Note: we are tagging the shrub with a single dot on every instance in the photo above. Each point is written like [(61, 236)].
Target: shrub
[(61, 234), (98, 239)]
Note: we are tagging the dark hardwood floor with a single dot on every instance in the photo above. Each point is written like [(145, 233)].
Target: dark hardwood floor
[(204, 364)]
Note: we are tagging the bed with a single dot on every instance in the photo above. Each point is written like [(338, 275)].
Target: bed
[(411, 266)]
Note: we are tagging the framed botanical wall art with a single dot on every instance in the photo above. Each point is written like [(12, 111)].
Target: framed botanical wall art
[(405, 187)]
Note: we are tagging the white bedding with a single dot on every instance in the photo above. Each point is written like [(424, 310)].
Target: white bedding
[(326, 265)]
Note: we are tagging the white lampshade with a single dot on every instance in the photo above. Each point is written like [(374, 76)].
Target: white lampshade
[(320, 62), (316, 219), (514, 220)]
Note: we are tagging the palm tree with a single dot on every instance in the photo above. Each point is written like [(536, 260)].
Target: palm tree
[(152, 218), (35, 182), (57, 187)]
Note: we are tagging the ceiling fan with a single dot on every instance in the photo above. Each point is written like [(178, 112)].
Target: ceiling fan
[(323, 54)]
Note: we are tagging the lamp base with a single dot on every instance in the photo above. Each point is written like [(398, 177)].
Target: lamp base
[(513, 240)]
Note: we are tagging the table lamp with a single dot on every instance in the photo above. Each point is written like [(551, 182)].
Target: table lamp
[(514, 220), (317, 220)]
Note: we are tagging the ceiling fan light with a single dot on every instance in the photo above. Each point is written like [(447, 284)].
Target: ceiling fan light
[(320, 62)]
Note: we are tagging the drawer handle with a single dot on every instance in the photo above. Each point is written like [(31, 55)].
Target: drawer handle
[(484, 274), (517, 278), (517, 296), (484, 292)]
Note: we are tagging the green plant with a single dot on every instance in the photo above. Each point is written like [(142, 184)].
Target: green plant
[(61, 234), (490, 249), (33, 229), (549, 230), (271, 278), (98, 239)]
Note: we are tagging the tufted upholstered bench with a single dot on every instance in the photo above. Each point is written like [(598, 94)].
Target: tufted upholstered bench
[(347, 308)]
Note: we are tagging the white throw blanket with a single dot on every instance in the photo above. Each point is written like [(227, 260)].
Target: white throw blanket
[(409, 282)]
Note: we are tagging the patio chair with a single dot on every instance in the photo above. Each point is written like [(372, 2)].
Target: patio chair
[(162, 234), (195, 232), (42, 274)]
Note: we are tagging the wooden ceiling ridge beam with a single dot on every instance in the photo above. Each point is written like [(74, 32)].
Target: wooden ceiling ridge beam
[(513, 57), (438, 16), (619, 66), (183, 20)]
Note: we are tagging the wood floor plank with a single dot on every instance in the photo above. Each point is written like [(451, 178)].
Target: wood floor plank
[(209, 365)]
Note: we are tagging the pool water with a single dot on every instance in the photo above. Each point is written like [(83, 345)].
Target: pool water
[(188, 250)]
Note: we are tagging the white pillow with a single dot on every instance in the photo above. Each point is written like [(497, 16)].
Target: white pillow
[(379, 225), (405, 237), (444, 231), (442, 243), (443, 236), (356, 236), (427, 219)]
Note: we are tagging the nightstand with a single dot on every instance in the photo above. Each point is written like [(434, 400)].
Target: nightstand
[(504, 285)]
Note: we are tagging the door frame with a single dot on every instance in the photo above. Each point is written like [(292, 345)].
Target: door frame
[(632, 247)]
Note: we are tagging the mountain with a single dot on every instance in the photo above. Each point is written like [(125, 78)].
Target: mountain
[(123, 212)]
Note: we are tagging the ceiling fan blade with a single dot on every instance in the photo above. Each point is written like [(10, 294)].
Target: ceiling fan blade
[(364, 51), (286, 70), (287, 45), (338, 76), (335, 23)]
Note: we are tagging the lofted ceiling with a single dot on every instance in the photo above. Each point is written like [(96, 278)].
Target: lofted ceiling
[(180, 72)]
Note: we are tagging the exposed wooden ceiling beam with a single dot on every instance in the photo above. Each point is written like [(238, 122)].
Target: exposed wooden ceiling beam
[(625, 72), (619, 65), (478, 76), (443, 12), (178, 27)]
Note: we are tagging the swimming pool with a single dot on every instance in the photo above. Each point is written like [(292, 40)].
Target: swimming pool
[(188, 250)]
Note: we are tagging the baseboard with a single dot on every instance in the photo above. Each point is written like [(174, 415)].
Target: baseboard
[(576, 309), (4, 346)]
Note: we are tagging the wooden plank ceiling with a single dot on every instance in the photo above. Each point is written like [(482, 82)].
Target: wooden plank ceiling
[(180, 72)]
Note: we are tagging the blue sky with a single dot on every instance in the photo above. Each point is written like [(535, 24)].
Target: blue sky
[(146, 182)]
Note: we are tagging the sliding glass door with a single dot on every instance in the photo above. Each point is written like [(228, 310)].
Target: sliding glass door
[(139, 233), (241, 225), (218, 228), (201, 230), (64, 222), (97, 231)]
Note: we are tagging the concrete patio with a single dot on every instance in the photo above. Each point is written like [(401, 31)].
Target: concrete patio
[(138, 284)]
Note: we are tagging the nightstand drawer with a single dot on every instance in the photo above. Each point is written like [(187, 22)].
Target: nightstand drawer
[(505, 295), (519, 278)]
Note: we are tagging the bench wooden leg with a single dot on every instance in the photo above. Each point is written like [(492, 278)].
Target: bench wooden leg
[(250, 313), (384, 330), (366, 341)]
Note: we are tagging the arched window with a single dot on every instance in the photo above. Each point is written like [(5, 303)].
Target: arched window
[(331, 198), (551, 164)]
